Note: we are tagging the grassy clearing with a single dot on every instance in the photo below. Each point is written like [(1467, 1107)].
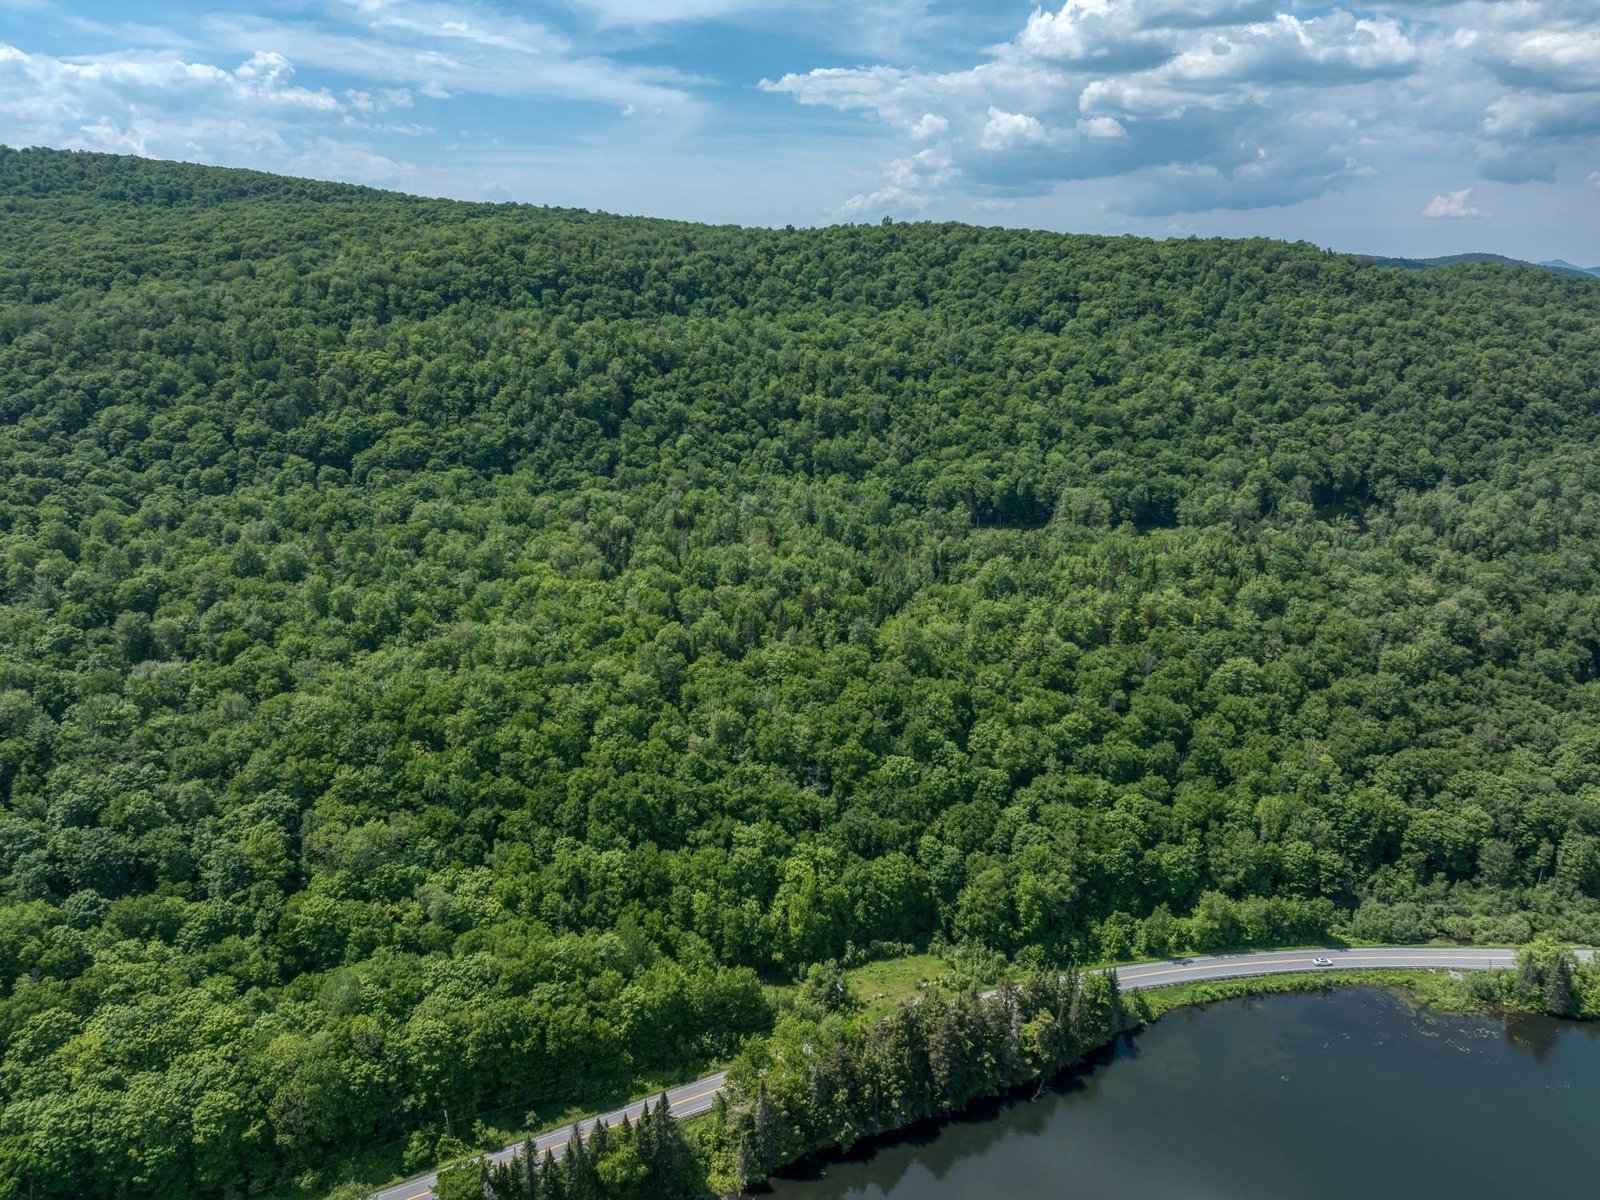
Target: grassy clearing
[(887, 981), (1446, 991)]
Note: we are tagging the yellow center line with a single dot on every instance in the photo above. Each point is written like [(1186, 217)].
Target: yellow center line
[(612, 1118), (698, 1095)]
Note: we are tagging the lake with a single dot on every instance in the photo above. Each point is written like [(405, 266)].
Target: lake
[(1330, 1094)]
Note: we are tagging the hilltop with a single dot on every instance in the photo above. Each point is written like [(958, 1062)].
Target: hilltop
[(1558, 265), (457, 659)]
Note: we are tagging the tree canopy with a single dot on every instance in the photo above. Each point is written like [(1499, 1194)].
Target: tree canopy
[(452, 656)]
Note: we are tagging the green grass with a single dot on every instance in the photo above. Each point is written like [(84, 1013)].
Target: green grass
[(1438, 989), (886, 981)]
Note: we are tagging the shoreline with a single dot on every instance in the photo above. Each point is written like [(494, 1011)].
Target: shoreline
[(1435, 989)]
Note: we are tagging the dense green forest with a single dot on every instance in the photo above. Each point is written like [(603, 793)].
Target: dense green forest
[(831, 1077), (453, 658)]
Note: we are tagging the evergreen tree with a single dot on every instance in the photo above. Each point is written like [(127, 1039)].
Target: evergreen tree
[(749, 1164), (765, 1132), (552, 1179), (1546, 974), (578, 1169)]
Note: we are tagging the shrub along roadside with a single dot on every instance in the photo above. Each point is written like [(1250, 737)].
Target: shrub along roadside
[(828, 1077), (647, 1160), (831, 1076)]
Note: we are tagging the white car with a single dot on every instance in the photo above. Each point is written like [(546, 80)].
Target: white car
[(1322, 962)]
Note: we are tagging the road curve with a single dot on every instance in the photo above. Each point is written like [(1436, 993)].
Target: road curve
[(695, 1098)]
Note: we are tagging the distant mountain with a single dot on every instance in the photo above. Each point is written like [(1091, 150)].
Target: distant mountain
[(1560, 266)]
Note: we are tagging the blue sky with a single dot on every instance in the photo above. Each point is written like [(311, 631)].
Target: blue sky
[(1417, 128)]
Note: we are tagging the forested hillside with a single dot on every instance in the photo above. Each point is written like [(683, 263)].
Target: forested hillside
[(452, 656)]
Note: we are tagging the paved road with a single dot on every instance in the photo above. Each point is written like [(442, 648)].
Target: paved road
[(694, 1098), (689, 1100)]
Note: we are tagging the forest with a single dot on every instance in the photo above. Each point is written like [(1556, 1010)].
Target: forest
[(829, 1077), (460, 660)]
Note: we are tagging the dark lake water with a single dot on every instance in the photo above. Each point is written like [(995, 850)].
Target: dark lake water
[(1334, 1094)]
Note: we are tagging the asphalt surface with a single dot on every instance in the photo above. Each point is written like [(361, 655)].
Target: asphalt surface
[(694, 1098), (690, 1100)]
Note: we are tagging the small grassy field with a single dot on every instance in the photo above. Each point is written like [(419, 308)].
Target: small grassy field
[(886, 981)]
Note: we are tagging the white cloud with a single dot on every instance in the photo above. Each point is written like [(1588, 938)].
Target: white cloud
[(1338, 48), (910, 184), (1102, 127), (330, 158), (1240, 67), (1246, 103), (1007, 130), (1523, 115), (367, 103), (1132, 108), (167, 107), (1238, 178), (1104, 33), (1452, 205), (261, 82), (880, 87), (1561, 58), (447, 47)]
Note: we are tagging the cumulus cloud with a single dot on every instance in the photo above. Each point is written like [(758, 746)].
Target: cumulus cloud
[(1244, 103), (1007, 130), (1524, 115), (1110, 35), (1452, 206), (1338, 48), (231, 94), (1562, 58), (1102, 127), (167, 107), (910, 184), (1165, 107)]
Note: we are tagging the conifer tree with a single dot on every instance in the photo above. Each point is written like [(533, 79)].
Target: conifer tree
[(552, 1179)]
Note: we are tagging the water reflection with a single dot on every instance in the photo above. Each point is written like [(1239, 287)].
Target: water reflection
[(1540, 1036), (933, 1148), (1263, 1099)]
